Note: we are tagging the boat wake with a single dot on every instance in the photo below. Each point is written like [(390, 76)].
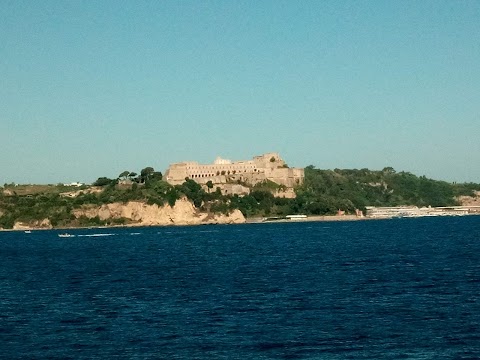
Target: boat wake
[(97, 235)]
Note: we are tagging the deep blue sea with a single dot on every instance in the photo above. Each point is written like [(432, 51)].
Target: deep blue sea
[(383, 289)]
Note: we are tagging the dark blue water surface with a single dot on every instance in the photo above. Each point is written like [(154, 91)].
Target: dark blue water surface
[(396, 289)]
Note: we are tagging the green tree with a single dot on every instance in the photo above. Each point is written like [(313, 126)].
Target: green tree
[(389, 170), (103, 181), (193, 191), (156, 175), (146, 173), (209, 185), (172, 196), (124, 175)]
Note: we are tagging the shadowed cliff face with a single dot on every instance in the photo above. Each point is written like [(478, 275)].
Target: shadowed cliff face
[(183, 213)]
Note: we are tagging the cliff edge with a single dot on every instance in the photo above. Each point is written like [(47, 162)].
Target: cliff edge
[(142, 214)]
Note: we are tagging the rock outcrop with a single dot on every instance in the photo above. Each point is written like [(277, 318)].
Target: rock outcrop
[(142, 214), (470, 200), (38, 224)]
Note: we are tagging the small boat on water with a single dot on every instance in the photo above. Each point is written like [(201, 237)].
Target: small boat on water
[(27, 232), (65, 235)]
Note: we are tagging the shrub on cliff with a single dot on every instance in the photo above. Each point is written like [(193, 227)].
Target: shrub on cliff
[(104, 181), (193, 191)]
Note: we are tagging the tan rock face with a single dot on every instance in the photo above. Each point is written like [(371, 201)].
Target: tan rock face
[(38, 224), (20, 226), (470, 200), (73, 194), (183, 213), (235, 217)]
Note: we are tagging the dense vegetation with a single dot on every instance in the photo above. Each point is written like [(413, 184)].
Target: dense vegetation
[(323, 192)]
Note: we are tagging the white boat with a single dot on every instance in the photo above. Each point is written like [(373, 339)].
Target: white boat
[(65, 235), (295, 217)]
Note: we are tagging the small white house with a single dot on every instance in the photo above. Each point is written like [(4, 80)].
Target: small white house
[(77, 184)]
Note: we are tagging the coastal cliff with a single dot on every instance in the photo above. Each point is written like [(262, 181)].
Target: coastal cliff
[(137, 213), (142, 214), (38, 224)]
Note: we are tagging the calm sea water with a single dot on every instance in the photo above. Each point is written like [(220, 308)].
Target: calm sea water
[(393, 289)]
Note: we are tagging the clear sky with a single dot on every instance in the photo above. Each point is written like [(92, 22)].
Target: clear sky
[(93, 88)]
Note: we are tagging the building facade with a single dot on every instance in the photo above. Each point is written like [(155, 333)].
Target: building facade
[(263, 167)]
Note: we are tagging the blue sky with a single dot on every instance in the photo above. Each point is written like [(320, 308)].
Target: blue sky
[(93, 88)]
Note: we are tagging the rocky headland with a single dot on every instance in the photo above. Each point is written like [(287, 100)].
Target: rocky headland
[(137, 213), (142, 214)]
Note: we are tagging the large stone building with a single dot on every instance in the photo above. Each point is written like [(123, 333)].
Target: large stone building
[(264, 167)]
